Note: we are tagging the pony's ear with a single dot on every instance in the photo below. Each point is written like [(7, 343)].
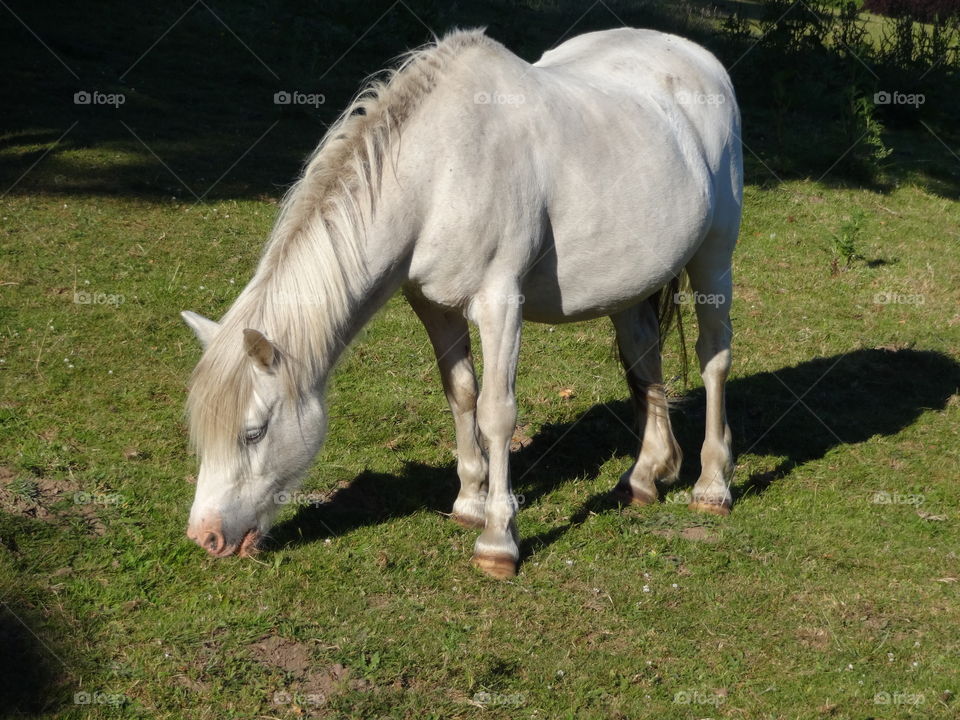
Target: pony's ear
[(202, 327), (259, 348)]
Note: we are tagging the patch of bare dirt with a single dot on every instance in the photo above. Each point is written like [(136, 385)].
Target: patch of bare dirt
[(695, 534), (35, 497), (329, 681), (288, 655), (814, 638), (520, 438), (312, 685)]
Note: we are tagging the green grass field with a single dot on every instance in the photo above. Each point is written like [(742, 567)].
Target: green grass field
[(831, 591)]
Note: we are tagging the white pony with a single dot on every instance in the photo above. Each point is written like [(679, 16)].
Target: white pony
[(493, 191)]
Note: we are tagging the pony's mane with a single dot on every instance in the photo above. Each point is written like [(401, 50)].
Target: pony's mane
[(312, 272)]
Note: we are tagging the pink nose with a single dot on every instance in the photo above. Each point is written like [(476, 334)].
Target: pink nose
[(208, 535)]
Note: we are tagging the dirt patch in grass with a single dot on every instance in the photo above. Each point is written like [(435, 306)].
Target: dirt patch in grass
[(313, 684), (814, 638), (45, 498), (694, 534), (327, 682), (288, 655), (520, 438)]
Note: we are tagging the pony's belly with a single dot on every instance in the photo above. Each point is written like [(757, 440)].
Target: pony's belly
[(584, 288)]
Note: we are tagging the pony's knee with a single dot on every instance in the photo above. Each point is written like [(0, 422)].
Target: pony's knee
[(497, 417)]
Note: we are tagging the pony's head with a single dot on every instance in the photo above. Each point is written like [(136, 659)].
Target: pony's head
[(255, 435)]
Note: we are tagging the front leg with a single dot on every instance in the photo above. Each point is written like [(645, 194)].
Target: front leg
[(498, 316), (450, 338)]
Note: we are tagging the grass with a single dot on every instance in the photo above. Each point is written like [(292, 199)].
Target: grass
[(830, 592)]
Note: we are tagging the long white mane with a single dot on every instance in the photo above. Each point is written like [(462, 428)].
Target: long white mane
[(312, 272)]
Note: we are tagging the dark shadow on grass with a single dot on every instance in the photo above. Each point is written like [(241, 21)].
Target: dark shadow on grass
[(30, 676), (369, 499), (843, 400)]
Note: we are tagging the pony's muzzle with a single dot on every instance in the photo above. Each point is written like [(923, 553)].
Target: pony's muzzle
[(208, 534)]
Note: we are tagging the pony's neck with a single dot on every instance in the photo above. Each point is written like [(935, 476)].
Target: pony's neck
[(320, 289)]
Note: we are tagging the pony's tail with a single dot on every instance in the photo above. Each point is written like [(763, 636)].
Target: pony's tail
[(666, 304)]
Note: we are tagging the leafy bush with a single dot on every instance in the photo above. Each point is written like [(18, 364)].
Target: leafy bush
[(822, 95)]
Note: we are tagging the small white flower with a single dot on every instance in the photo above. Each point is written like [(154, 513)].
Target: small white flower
[(646, 588)]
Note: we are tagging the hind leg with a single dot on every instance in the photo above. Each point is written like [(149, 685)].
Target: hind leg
[(712, 285), (659, 456)]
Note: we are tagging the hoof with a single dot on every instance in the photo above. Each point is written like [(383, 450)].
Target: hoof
[(468, 522), (496, 566), (714, 508), (626, 495)]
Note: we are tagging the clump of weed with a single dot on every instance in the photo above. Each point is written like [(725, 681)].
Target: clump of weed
[(844, 242), (24, 488)]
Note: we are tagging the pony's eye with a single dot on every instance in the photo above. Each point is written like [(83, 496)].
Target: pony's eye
[(252, 437)]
